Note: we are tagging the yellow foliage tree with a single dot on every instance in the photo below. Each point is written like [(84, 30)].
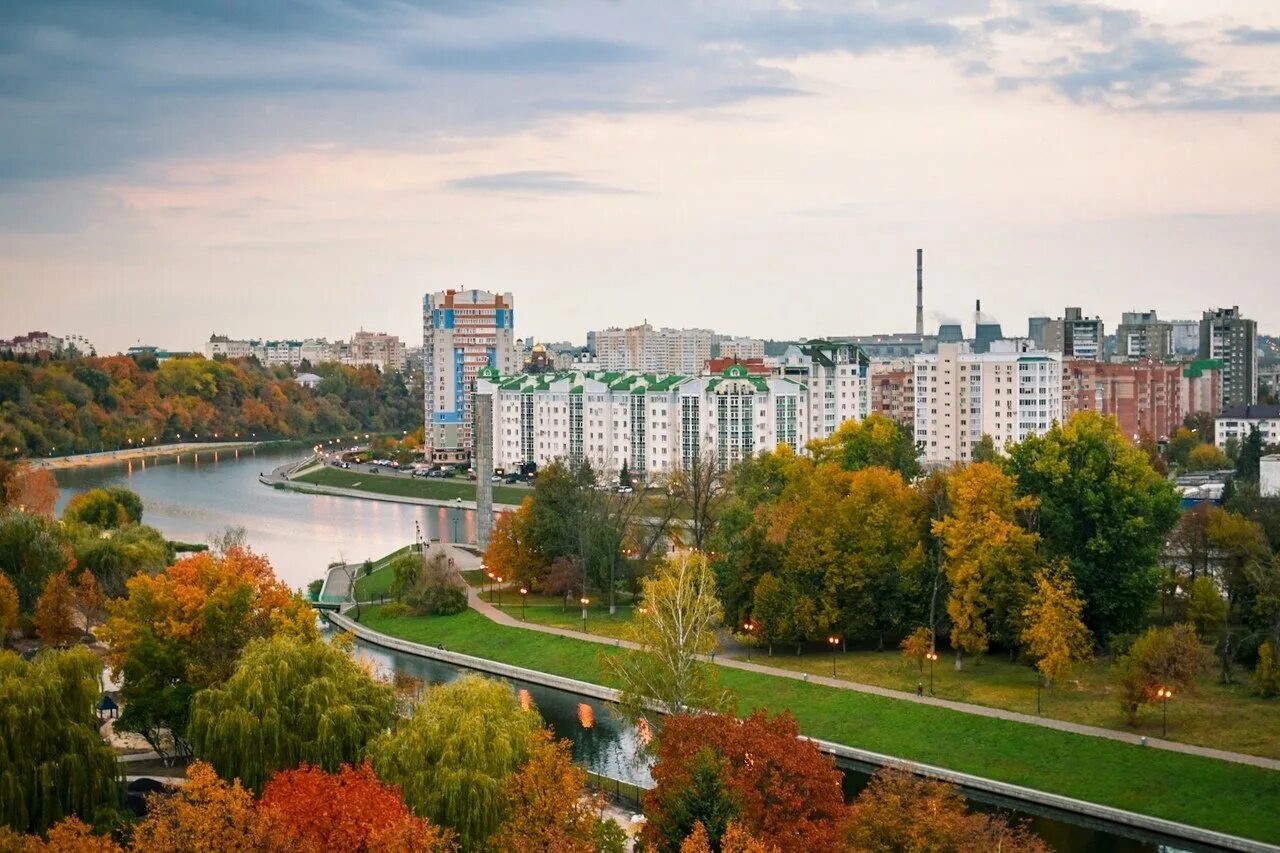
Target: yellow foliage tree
[(1054, 633), (549, 810), (510, 554), (206, 815), (56, 612), (989, 558), (8, 607)]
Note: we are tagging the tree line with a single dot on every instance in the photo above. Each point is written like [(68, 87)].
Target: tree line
[(80, 405)]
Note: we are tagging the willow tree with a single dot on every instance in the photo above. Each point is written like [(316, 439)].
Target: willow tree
[(290, 701), (675, 629), (52, 761), (453, 758)]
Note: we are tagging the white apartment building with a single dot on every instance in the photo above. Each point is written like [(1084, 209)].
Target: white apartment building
[(463, 331), (1238, 421), (1008, 393), (366, 349), (654, 423), (653, 350), (837, 385)]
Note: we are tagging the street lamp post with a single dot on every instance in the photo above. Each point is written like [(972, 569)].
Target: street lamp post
[(1164, 694), (584, 601), (491, 577), (498, 583), (932, 656), (524, 599), (749, 626), (834, 641)]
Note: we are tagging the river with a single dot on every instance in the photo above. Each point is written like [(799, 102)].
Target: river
[(192, 496)]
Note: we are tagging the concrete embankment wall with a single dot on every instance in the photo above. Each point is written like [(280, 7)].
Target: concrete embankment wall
[(1103, 815)]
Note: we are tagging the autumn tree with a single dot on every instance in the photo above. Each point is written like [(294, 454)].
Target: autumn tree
[(114, 559), (701, 487), (31, 490), (1205, 605), (511, 552), (183, 630), (788, 791), (206, 815), (290, 701), (1207, 457), (875, 441), (990, 558), (104, 508), (1169, 658), (897, 811), (8, 608), (700, 809), (735, 840), (1104, 510), (56, 612), (1266, 675), (90, 603), (917, 645), (1054, 633), (985, 450), (453, 758), (53, 763), (677, 628), (549, 809), (348, 811)]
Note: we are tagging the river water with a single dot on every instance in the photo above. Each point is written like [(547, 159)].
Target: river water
[(192, 496)]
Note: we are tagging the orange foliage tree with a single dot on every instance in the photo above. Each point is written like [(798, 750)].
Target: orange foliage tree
[(788, 791), (896, 811), (345, 812), (510, 553), (69, 835), (206, 815), (735, 840), (8, 607), (548, 808), (183, 630), (56, 612), (34, 490)]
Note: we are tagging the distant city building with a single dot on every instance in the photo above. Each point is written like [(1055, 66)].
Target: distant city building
[(1269, 481), (1009, 393), (1269, 379), (1186, 337), (463, 331), (654, 350), (898, 345), (1238, 421), (1074, 335), (1200, 388), (837, 386), (307, 380), (1143, 397), (32, 343), (539, 360), (375, 349), (1230, 338), (158, 353), (893, 392), (1036, 330), (1141, 335), (742, 349)]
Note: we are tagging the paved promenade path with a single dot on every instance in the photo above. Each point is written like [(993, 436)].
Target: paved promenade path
[(467, 561)]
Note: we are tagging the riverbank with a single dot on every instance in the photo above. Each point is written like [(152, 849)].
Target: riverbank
[(107, 457), (391, 487), (1236, 799)]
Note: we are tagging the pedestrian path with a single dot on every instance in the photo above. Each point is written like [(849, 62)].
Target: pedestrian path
[(502, 618)]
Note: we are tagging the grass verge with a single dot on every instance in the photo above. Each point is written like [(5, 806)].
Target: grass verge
[(391, 484), (1233, 798)]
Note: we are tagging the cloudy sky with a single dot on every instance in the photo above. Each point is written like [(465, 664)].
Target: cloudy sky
[(305, 167)]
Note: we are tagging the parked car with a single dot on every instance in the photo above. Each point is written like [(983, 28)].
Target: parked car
[(512, 479), (373, 469)]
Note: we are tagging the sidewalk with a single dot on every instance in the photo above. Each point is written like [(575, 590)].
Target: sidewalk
[(502, 618)]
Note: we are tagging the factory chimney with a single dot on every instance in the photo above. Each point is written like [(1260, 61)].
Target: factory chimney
[(920, 292), (977, 316)]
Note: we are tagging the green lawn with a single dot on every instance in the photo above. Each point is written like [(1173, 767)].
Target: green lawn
[(599, 621), (379, 581), (1232, 798), (390, 484)]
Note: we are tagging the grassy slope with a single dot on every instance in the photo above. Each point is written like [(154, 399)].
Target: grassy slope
[(1232, 798), (389, 484)]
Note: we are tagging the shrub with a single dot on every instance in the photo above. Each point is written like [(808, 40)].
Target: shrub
[(1266, 677), (395, 610)]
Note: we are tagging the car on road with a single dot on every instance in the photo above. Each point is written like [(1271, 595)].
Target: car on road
[(373, 469)]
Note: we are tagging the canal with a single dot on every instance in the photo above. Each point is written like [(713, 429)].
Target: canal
[(192, 496)]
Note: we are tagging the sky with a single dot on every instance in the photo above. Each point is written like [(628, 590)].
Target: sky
[(299, 168)]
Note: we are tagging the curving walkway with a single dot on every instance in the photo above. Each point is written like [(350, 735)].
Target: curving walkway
[(488, 610)]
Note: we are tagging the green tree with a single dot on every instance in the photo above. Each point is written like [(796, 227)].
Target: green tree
[(405, 570), (678, 626), (31, 550), (1168, 658), (8, 608), (1181, 443), (453, 758), (703, 798), (1054, 633), (1102, 509), (290, 701), (985, 450), (1249, 462), (52, 761), (114, 559), (1266, 675), (104, 508), (878, 440), (1205, 605)]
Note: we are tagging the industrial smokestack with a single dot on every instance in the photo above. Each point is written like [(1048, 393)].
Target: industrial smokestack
[(977, 316), (920, 292)]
